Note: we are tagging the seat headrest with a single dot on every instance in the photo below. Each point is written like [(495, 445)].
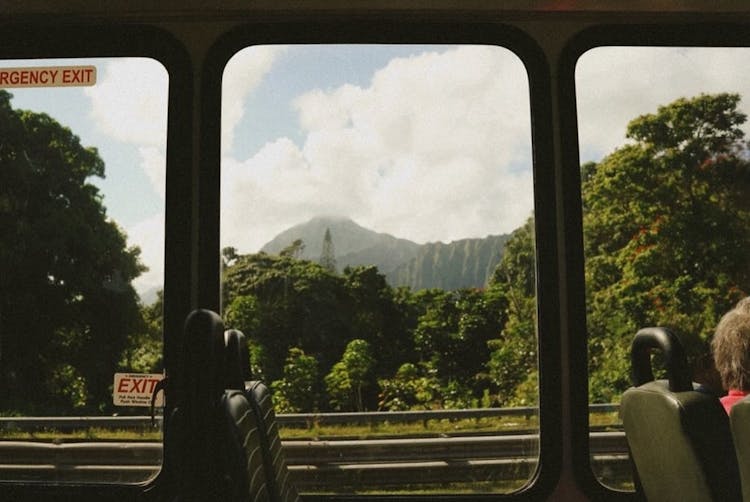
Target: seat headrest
[(678, 372), (204, 349), (233, 375)]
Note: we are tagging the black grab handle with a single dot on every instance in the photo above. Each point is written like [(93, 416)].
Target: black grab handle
[(674, 355)]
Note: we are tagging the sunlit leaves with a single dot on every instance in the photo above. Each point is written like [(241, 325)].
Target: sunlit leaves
[(665, 231)]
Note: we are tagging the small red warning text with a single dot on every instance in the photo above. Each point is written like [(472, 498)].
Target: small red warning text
[(48, 76)]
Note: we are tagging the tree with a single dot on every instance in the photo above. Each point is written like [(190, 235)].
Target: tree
[(328, 255), (452, 337), (513, 359), (297, 303), (665, 231), (349, 377), (67, 304), (412, 387), (294, 250), (144, 352), (380, 316), (243, 314), (298, 391), (228, 256)]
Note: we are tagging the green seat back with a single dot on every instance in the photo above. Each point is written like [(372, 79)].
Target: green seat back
[(679, 437)]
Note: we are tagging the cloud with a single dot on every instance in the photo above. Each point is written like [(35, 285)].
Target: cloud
[(436, 147), (242, 75), (129, 101), (618, 84), (149, 236), (129, 104), (154, 164)]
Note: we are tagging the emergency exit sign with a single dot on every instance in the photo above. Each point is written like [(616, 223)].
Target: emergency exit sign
[(48, 76), (136, 389)]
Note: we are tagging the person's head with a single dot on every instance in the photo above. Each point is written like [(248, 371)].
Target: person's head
[(731, 347)]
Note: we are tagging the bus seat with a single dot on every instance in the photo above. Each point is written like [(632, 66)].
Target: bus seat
[(199, 477), (245, 445), (679, 438), (259, 398), (739, 418), (222, 444), (234, 372)]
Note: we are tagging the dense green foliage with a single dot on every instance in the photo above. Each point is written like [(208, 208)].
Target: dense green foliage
[(353, 342), (666, 222), (666, 225), (67, 306)]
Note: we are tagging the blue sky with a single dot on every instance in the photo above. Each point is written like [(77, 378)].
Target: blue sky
[(423, 142)]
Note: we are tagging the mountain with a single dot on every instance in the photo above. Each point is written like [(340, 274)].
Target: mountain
[(459, 264), (353, 244), (463, 263)]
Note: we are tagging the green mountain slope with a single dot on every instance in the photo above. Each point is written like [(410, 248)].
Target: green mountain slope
[(463, 263)]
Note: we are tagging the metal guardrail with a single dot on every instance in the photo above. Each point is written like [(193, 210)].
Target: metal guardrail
[(316, 465), (289, 419)]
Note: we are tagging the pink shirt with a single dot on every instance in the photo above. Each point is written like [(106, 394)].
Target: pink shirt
[(732, 397)]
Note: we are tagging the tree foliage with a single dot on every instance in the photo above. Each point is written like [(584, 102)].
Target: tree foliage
[(282, 303), (514, 352), (143, 352), (298, 390), (296, 303), (666, 231), (413, 387), (66, 301), (348, 378), (328, 254)]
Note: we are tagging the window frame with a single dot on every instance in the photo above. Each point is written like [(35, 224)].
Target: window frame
[(406, 30), (659, 34), (44, 40)]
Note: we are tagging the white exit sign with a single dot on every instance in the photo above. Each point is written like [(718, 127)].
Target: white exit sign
[(136, 389)]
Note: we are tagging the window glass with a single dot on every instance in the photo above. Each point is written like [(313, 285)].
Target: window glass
[(82, 170), (378, 251), (664, 169)]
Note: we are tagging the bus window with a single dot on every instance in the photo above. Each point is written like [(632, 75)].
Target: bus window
[(665, 175), (82, 173), (377, 233)]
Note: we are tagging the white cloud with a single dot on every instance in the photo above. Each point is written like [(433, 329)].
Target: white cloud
[(437, 147), (242, 74), (154, 164), (149, 236), (129, 104), (129, 101), (617, 84)]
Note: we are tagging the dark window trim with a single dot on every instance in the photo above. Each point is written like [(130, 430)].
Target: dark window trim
[(401, 30), (647, 35), (43, 40)]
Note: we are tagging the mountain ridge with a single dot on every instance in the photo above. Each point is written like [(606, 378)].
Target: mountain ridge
[(457, 264)]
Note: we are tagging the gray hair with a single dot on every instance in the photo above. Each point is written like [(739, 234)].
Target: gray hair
[(731, 347)]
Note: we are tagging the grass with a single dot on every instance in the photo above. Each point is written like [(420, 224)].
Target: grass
[(89, 434), (428, 428)]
